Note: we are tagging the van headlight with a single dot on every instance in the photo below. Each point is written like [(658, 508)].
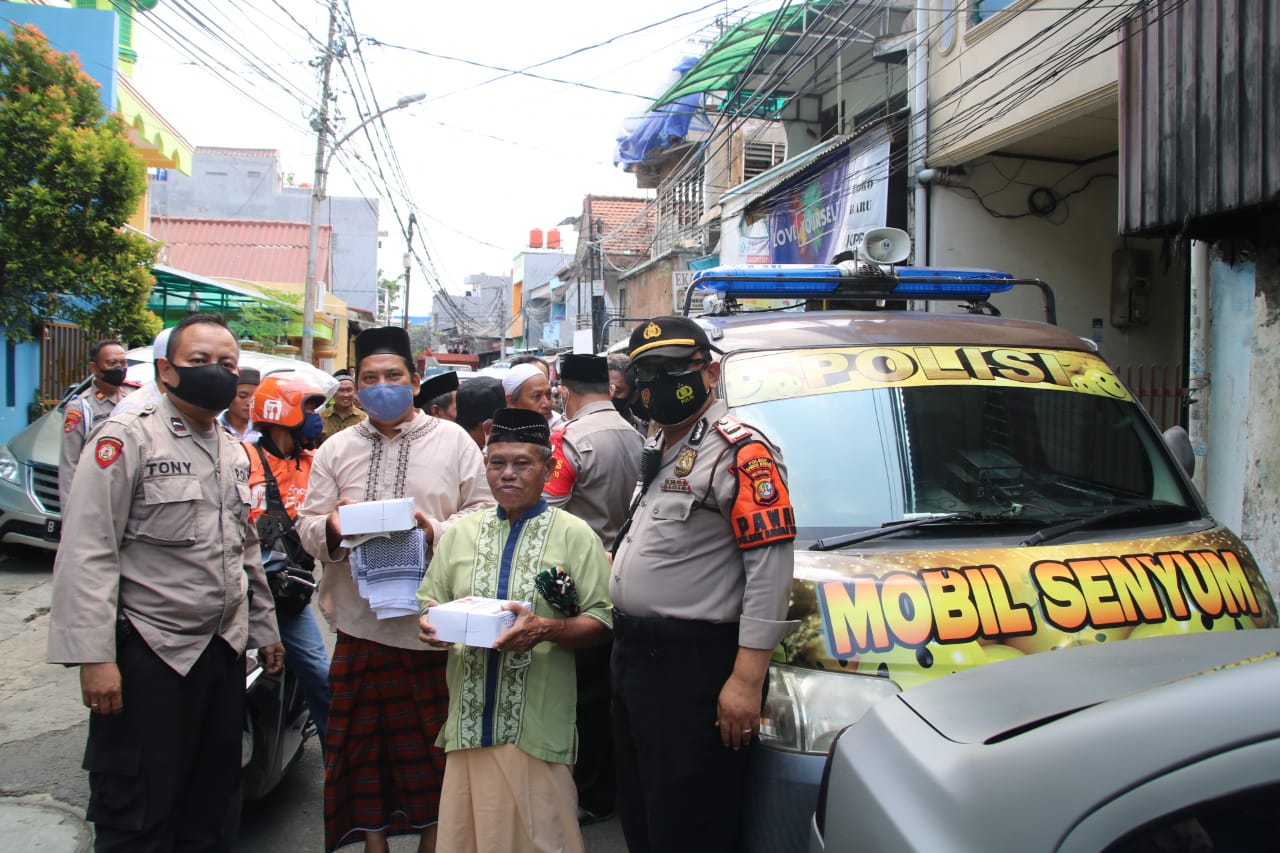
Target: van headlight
[(10, 468), (806, 708)]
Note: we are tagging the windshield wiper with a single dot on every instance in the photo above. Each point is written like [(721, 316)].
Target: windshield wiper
[(833, 542), (1113, 514)]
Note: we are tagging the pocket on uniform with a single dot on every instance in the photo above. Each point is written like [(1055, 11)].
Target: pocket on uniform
[(667, 534), (170, 507), (117, 793)]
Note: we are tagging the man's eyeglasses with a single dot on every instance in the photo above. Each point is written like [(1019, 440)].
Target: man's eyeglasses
[(670, 367)]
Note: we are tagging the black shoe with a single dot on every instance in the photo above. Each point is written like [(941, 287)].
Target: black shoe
[(588, 817)]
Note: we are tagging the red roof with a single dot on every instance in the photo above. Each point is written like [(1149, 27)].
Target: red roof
[(252, 249), (628, 223)]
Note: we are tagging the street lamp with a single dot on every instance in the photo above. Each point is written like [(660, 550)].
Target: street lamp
[(324, 153), (193, 301)]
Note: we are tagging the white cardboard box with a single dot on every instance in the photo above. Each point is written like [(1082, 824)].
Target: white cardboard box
[(471, 621), (376, 517)]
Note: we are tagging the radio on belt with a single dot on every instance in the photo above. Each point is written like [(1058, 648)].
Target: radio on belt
[(472, 621)]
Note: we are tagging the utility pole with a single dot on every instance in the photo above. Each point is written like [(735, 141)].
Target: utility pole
[(321, 126), (408, 258)]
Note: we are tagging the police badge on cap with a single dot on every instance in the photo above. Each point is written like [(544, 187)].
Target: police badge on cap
[(669, 337)]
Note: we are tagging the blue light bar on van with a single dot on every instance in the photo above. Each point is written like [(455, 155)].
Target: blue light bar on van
[(818, 281)]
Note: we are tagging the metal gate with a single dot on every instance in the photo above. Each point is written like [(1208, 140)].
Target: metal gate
[(64, 356), (1158, 389)]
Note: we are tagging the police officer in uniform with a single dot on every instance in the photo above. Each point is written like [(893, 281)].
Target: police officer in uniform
[(108, 364), (700, 582), (596, 464), (151, 600)]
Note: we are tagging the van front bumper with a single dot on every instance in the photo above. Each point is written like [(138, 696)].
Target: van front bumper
[(782, 794)]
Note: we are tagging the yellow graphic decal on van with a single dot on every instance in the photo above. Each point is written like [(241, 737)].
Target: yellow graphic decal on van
[(869, 613), (759, 377)]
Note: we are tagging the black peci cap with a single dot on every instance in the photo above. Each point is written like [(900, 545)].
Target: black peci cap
[(587, 369), (520, 425), (669, 337), (249, 376), (384, 339), (441, 383)]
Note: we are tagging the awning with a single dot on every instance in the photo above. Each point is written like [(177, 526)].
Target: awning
[(159, 143), (174, 289), (741, 52)]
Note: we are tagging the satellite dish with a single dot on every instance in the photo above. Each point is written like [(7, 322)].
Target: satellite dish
[(885, 246)]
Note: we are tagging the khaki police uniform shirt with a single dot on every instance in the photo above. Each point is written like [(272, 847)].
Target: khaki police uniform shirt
[(82, 414), (157, 530), (335, 423), (433, 461), (597, 464), (711, 539)]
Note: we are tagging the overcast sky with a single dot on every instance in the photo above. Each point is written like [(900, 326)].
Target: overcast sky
[(485, 157)]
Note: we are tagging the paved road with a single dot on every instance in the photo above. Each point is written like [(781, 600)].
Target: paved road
[(43, 724)]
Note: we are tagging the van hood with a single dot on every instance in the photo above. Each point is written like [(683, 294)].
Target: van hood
[(41, 442), (913, 616)]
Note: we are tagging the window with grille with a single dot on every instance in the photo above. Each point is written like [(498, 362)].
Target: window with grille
[(761, 157), (679, 209)]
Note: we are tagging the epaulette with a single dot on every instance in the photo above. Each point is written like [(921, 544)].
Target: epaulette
[(732, 429)]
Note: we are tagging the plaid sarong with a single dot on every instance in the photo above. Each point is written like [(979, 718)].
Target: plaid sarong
[(383, 770)]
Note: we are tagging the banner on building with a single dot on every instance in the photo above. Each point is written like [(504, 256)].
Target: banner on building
[(812, 219)]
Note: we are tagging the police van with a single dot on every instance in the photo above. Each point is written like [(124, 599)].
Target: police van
[(967, 488)]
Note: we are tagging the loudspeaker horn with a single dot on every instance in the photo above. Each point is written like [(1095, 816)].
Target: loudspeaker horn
[(885, 246)]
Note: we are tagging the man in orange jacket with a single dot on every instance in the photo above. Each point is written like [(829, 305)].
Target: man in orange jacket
[(284, 412)]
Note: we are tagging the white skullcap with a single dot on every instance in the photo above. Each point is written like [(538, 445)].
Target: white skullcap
[(160, 348), (517, 376)]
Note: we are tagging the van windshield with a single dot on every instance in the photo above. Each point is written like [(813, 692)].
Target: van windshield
[(857, 459)]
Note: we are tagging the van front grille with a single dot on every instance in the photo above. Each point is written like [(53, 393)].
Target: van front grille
[(44, 487)]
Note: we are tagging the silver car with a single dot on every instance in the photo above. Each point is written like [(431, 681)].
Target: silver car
[(1167, 743), (29, 510)]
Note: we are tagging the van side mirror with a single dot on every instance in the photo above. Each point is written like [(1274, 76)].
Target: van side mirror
[(1180, 444)]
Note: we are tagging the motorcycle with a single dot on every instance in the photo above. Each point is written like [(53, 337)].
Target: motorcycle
[(276, 727)]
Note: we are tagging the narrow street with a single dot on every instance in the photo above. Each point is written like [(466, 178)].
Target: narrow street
[(42, 734)]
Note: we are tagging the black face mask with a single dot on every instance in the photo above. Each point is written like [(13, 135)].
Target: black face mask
[(620, 403), (674, 399), (113, 376), (640, 410), (206, 386)]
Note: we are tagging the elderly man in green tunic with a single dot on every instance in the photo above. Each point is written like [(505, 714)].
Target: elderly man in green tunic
[(509, 738)]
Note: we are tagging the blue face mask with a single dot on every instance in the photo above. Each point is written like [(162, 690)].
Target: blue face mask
[(311, 428), (386, 402)]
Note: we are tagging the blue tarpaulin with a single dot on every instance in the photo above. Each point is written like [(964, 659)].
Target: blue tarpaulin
[(663, 126)]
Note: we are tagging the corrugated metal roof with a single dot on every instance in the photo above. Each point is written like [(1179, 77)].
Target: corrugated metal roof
[(256, 250)]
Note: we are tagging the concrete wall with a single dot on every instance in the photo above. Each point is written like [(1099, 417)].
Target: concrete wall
[(19, 379), (1071, 249), (977, 117), (1260, 469), (239, 186)]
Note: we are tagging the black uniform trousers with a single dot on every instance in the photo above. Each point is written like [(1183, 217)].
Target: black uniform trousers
[(163, 773), (679, 788), (593, 772)]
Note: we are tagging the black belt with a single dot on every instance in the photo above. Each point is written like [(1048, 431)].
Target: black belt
[(659, 629)]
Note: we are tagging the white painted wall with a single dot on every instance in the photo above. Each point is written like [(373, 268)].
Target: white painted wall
[(1070, 249), (987, 113)]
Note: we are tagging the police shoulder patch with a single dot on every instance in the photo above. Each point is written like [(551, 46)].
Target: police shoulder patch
[(72, 420), (762, 512), (107, 451)]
